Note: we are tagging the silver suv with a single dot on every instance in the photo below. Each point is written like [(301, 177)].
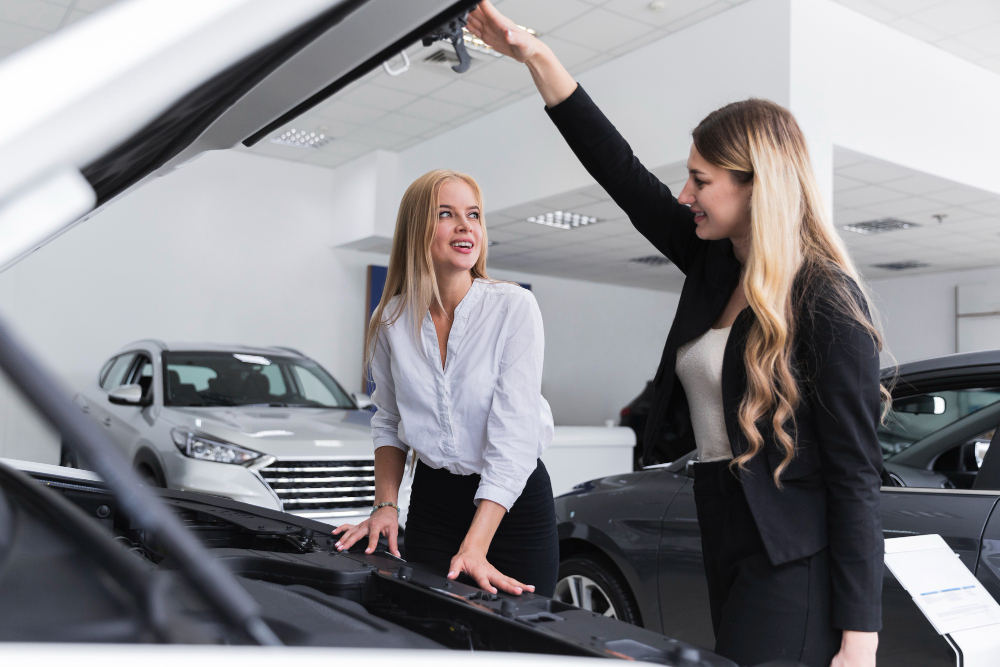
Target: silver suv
[(262, 425)]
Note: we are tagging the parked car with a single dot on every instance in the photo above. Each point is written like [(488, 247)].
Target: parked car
[(630, 545), (263, 425)]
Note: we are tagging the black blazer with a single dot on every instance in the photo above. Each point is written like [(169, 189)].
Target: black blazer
[(830, 492)]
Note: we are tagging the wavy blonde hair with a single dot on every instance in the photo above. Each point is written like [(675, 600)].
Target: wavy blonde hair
[(411, 270), (791, 237)]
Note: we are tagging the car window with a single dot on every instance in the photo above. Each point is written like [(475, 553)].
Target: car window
[(142, 374), (115, 376), (913, 418), (202, 379), (312, 387)]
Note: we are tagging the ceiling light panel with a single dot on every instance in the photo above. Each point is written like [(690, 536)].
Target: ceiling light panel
[(902, 266), (301, 139), (651, 260), (563, 220), (879, 226)]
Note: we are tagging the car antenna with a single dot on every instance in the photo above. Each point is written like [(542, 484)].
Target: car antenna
[(207, 576)]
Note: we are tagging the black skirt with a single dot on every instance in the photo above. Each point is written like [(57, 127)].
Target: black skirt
[(525, 546), (760, 611)]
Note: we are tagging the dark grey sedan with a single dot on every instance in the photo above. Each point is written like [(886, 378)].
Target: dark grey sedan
[(630, 545)]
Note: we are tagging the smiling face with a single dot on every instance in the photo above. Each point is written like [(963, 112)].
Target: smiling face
[(721, 206), (458, 239)]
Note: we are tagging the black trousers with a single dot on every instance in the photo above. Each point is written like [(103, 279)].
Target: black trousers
[(525, 546), (760, 611)]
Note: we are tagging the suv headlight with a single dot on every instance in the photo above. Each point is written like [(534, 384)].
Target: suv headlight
[(211, 449)]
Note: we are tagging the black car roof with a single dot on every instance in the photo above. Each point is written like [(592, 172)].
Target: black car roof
[(964, 360)]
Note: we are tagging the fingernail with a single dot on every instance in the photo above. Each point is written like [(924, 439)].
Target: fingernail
[(517, 588), (337, 544)]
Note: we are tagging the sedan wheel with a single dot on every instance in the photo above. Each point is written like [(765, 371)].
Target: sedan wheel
[(583, 592), (592, 583)]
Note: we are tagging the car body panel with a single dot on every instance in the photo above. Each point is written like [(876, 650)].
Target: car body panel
[(966, 519), (626, 532)]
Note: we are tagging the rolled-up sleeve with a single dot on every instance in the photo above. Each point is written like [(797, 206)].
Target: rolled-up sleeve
[(514, 426), (385, 421)]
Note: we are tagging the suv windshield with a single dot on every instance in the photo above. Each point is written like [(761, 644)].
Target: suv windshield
[(913, 418), (226, 378)]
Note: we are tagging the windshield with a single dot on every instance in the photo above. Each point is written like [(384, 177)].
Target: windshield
[(915, 417), (226, 378)]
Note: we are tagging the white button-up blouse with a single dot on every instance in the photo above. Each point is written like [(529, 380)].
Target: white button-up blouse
[(483, 413)]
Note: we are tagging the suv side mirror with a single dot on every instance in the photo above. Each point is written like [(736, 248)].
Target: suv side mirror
[(128, 394), (363, 400)]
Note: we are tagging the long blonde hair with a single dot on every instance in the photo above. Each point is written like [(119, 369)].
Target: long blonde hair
[(411, 270), (791, 237)]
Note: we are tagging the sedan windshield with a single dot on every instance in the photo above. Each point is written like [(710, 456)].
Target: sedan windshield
[(226, 378)]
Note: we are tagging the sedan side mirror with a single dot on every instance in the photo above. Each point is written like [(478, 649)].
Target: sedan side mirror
[(129, 394), (363, 400)]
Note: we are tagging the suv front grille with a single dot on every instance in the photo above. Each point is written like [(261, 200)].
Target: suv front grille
[(322, 485)]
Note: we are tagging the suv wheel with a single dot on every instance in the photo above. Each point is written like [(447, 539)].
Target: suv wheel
[(590, 583), (148, 476)]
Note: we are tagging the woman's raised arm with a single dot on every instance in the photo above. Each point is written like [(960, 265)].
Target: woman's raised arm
[(648, 203)]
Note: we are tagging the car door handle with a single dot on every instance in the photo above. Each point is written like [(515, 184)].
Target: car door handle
[(107, 421)]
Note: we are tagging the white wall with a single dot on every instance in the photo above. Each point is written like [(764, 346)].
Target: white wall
[(919, 311), (239, 248)]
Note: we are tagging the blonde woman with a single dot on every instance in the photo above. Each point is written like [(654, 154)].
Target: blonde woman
[(457, 364), (770, 370)]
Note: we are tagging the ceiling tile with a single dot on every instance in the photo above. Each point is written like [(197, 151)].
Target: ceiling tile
[(351, 113), (987, 38), (416, 80), (566, 202), (434, 110), (874, 171), (961, 48), (869, 8), (989, 207), (375, 97), (700, 15), (14, 36), (501, 73), (377, 138), (917, 29), (543, 16), (961, 195), (956, 17), (93, 5), (469, 94), (32, 14), (672, 11), (843, 183), (860, 197), (904, 7), (405, 125), (601, 30), (569, 54), (918, 184)]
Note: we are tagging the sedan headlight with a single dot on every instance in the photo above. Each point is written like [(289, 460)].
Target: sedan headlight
[(211, 449)]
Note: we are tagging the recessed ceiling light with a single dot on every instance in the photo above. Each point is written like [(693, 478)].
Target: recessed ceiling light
[(302, 139), (657, 6), (902, 266), (651, 260), (878, 226), (563, 219)]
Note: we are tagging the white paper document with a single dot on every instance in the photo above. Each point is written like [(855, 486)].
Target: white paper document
[(943, 588)]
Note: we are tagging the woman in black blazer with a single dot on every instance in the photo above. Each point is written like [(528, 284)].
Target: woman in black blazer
[(771, 369)]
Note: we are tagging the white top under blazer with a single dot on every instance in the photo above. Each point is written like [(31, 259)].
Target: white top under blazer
[(699, 367), (483, 413)]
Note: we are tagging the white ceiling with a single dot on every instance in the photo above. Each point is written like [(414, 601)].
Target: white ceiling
[(395, 113), (865, 189)]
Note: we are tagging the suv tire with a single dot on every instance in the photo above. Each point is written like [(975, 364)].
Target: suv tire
[(590, 582)]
